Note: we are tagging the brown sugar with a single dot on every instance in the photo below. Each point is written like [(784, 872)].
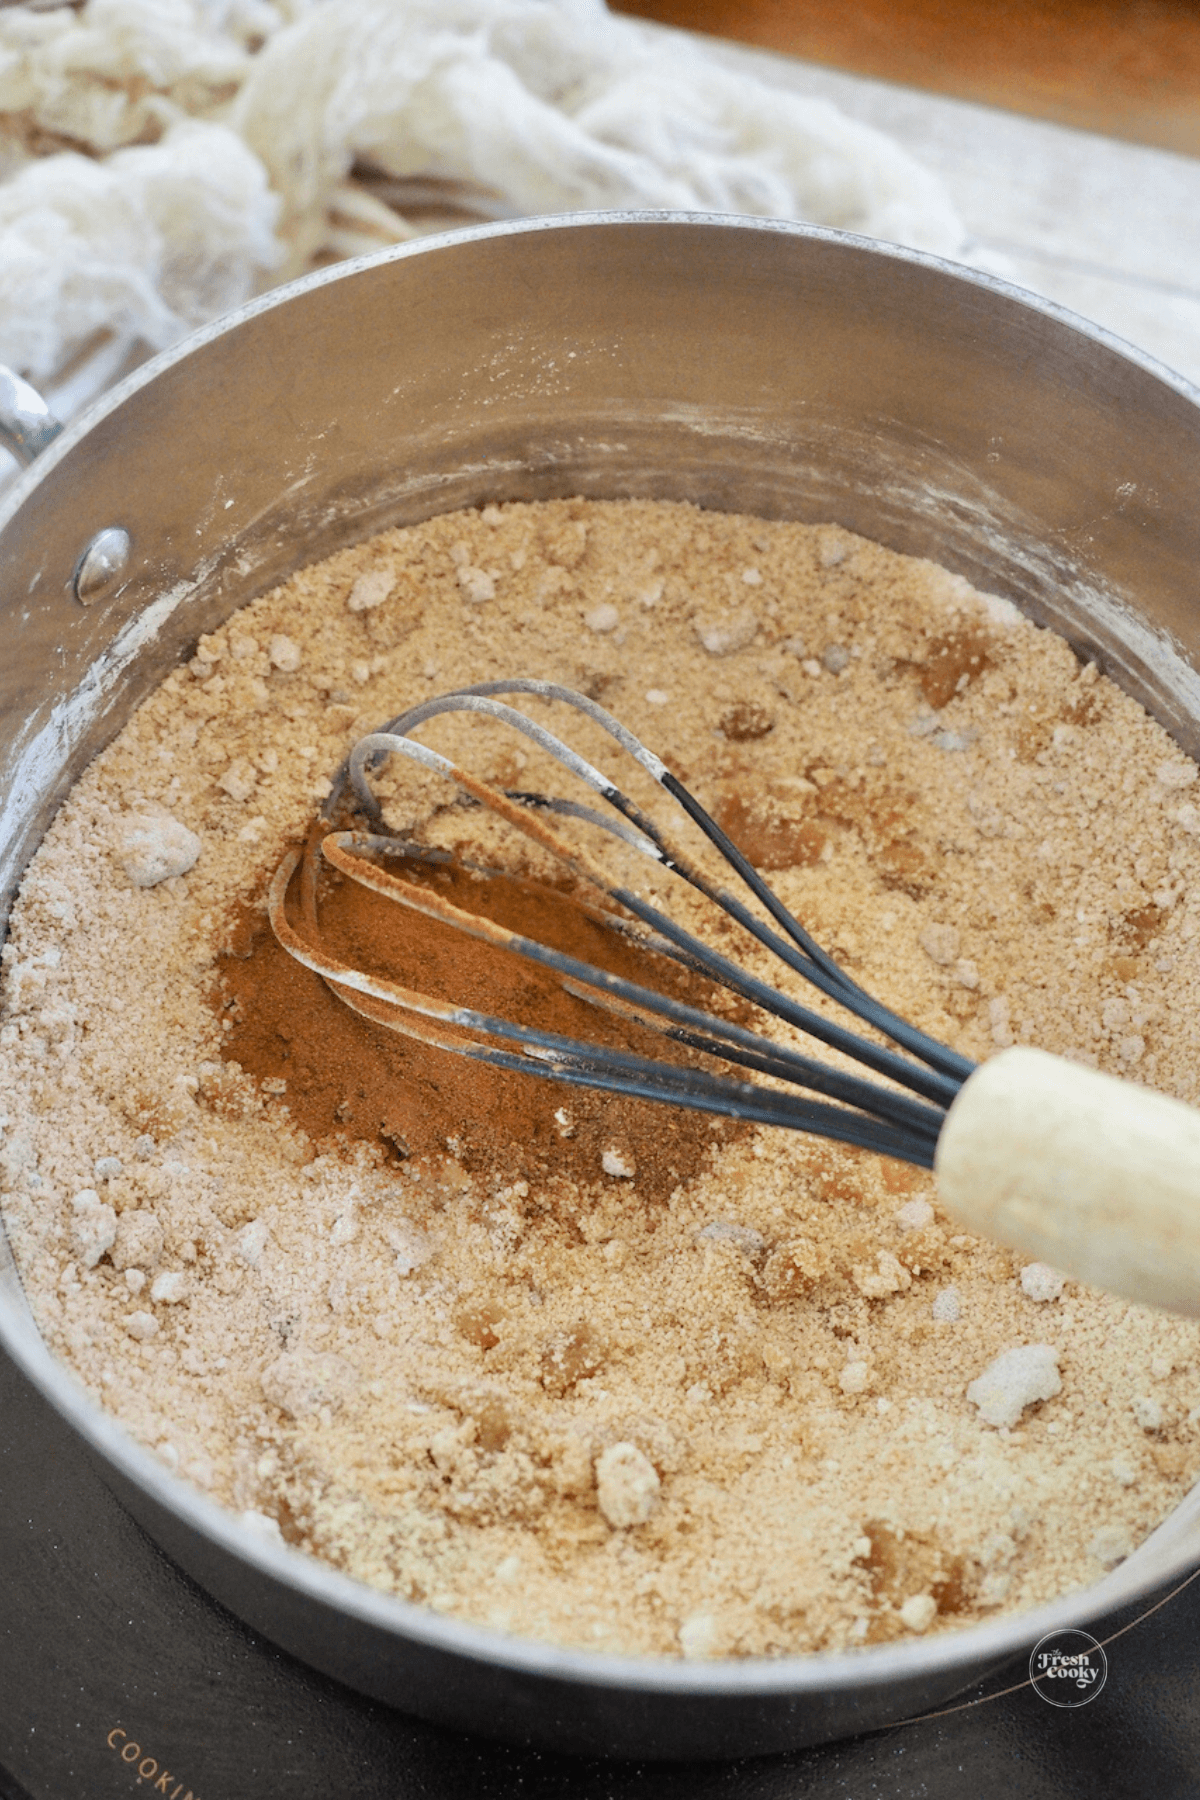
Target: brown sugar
[(588, 1370)]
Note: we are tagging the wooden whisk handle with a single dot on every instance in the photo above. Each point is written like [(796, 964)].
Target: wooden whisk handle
[(1097, 1177)]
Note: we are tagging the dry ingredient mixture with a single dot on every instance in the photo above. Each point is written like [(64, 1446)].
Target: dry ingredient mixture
[(591, 1371)]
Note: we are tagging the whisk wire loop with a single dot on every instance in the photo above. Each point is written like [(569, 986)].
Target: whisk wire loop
[(815, 964), (702, 1030), (441, 1025), (837, 984), (930, 1083), (885, 1118)]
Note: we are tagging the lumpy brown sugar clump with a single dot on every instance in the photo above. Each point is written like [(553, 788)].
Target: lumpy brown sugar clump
[(580, 1368)]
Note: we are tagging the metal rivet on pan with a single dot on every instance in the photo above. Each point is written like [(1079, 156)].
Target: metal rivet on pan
[(102, 565)]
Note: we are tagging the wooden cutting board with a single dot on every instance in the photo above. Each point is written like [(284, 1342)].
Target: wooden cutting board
[(1128, 68)]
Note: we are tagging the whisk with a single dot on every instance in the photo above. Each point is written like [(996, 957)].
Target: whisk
[(1094, 1175)]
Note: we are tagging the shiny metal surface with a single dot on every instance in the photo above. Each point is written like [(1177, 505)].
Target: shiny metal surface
[(101, 568), (737, 364), (27, 426)]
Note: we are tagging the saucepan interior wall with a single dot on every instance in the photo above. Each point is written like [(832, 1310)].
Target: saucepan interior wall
[(774, 370)]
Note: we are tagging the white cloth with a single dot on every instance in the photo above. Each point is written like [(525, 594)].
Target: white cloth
[(223, 136), (143, 246)]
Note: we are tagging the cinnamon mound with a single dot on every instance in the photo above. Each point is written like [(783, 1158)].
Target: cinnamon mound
[(348, 1078)]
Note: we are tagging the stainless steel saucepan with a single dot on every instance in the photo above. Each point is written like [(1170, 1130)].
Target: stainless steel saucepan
[(743, 365)]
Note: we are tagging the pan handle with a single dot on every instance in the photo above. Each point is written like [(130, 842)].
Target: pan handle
[(27, 425)]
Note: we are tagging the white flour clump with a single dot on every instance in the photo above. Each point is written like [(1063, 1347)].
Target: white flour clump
[(915, 1216), (698, 1635), (170, 1288), (302, 1382), (947, 1306), (412, 1247), (918, 1612), (371, 590), (138, 1243), (1041, 1282), (153, 850), (251, 1241), (1013, 1381), (627, 1485), (93, 1229)]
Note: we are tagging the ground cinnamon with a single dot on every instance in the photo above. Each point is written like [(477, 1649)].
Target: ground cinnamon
[(341, 1077)]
